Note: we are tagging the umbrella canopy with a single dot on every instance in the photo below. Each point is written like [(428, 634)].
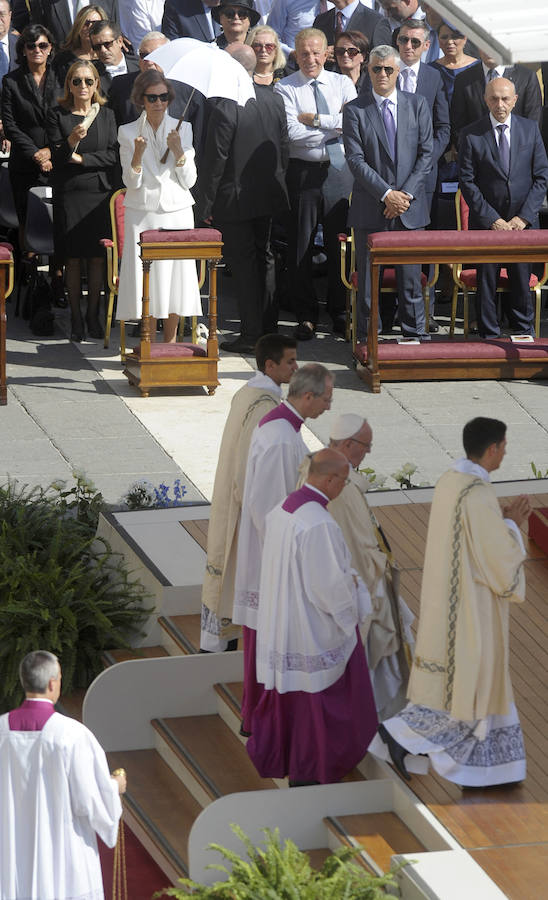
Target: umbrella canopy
[(206, 68)]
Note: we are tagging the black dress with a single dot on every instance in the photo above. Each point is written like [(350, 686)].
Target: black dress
[(81, 192)]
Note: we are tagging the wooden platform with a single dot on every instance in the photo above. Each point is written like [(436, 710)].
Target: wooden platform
[(504, 829)]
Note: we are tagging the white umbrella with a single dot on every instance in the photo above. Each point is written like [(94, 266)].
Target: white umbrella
[(206, 68)]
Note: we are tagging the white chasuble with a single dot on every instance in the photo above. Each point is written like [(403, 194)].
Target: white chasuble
[(56, 794)]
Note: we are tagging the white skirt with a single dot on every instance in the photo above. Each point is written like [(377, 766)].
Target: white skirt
[(173, 283)]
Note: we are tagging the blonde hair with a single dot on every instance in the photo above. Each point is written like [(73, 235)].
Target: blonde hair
[(279, 59), (73, 39), (308, 33), (67, 100)]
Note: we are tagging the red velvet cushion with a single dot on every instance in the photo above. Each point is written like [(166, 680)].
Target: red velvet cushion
[(500, 348), (529, 238), (172, 351), (464, 213), (469, 278), (206, 235), (6, 251)]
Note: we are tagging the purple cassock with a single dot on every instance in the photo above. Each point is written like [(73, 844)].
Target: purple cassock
[(32, 715), (252, 690), (315, 737)]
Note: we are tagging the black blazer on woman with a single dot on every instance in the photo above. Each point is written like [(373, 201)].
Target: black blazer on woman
[(24, 113), (97, 172)]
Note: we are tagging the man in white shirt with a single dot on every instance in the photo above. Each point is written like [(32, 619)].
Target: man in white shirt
[(316, 714), (139, 17), (318, 179), (56, 794), (288, 17), (107, 41)]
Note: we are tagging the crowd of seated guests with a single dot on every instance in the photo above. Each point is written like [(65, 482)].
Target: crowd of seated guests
[(68, 83)]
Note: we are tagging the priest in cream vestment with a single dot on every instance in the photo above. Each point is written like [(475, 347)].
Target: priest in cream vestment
[(387, 632), (276, 358), (462, 714)]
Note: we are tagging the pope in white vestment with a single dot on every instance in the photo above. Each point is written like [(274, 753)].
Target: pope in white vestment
[(462, 714), (56, 794)]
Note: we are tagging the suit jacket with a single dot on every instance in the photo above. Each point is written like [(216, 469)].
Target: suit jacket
[(54, 14), (97, 172), (24, 113), (372, 166), (468, 105), (157, 188), (186, 18), (245, 158), (491, 193), (106, 78), (431, 88), (376, 28)]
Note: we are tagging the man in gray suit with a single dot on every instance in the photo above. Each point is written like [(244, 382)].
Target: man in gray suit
[(388, 142)]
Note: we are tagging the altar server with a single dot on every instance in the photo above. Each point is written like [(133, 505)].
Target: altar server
[(462, 714), (275, 454), (387, 632), (276, 358), (56, 794), (316, 715)]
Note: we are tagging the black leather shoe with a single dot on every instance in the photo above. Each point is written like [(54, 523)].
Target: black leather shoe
[(396, 751), (433, 326), (305, 331), (238, 346)]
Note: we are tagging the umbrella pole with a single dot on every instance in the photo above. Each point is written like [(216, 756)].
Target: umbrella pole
[(179, 123)]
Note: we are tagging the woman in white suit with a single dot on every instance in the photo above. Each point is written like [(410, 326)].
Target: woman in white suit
[(158, 196)]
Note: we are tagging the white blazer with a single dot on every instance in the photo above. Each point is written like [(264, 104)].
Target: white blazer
[(157, 187)]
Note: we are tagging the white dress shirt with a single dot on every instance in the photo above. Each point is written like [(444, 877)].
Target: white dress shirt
[(415, 69), (288, 17), (138, 17)]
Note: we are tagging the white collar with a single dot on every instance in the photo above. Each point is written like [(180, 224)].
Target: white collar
[(467, 467), (293, 410), (39, 700), (498, 69), (414, 68), (495, 123), (349, 10), (393, 97), (119, 69), (261, 381), (312, 488)]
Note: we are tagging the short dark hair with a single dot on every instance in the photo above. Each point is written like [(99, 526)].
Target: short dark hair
[(98, 27), (417, 23), (30, 35), (272, 346), (144, 82), (480, 433), (359, 39)]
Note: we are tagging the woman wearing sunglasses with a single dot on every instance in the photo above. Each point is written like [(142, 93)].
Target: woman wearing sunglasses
[(158, 196), (82, 133), (28, 92), (235, 17), (270, 65), (77, 44), (351, 51)]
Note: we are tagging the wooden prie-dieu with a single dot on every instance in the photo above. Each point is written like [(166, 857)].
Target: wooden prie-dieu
[(152, 364), (450, 359), (6, 287)]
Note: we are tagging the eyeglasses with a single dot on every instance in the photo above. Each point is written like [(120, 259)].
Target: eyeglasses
[(106, 44), (37, 45), (152, 98), (232, 13), (350, 51), (388, 69), (78, 81), (268, 47), (415, 42)]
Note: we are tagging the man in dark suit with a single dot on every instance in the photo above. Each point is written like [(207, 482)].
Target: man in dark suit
[(242, 186), (190, 18), (8, 40), (388, 142), (107, 41), (503, 175), (468, 103), (119, 98), (55, 15), (351, 15)]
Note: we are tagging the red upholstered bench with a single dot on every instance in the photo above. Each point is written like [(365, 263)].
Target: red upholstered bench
[(6, 287), (160, 365), (501, 348)]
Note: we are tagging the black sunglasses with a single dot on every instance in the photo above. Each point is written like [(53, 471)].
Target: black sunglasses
[(415, 42), (152, 98), (351, 51), (106, 44), (387, 69), (232, 13), (39, 45), (90, 22), (78, 81)]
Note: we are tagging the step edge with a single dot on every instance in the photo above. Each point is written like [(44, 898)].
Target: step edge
[(333, 824), (186, 758), (155, 834), (177, 636)]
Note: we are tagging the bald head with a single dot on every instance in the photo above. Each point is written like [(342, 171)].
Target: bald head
[(500, 96), (328, 472), (244, 54)]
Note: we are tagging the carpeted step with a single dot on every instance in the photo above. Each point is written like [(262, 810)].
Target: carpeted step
[(381, 835)]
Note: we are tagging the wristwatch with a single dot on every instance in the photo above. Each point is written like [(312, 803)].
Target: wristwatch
[(316, 120)]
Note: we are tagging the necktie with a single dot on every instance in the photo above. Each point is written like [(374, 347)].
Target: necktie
[(504, 148), (339, 23), (4, 61), (333, 146), (390, 127), (408, 80), (323, 6), (491, 73)]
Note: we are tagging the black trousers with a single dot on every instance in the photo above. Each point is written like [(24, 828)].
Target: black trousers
[(248, 251), (517, 304), (305, 181)]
